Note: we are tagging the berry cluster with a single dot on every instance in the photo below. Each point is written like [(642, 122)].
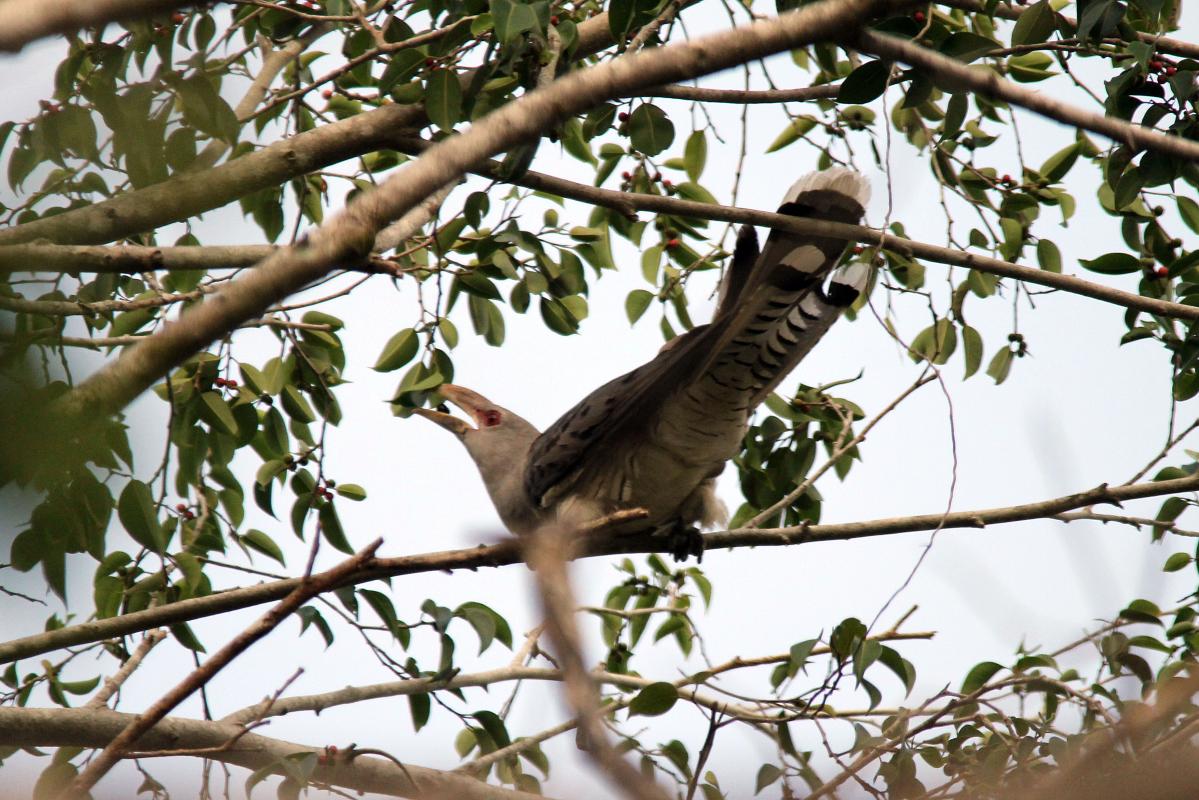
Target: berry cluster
[(225, 383)]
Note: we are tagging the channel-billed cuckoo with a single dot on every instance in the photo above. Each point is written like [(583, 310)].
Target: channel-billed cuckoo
[(657, 437)]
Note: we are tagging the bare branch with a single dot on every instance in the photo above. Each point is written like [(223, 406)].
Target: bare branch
[(118, 678), (744, 96), (508, 552)]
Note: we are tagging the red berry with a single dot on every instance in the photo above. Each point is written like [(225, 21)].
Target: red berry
[(181, 507), (918, 16), (429, 62), (177, 17), (1171, 70), (219, 382), (1161, 270), (672, 243), (231, 383), (657, 177), (857, 249), (327, 94), (622, 116), (667, 183), (1007, 179), (626, 175), (188, 515), (1156, 66), (554, 20)]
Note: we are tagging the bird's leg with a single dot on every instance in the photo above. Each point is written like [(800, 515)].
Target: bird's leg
[(683, 540)]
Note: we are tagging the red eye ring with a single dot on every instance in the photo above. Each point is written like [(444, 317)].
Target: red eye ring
[(490, 418)]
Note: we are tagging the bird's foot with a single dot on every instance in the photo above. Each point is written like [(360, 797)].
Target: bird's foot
[(683, 541)]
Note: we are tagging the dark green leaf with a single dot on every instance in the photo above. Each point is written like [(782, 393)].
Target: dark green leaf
[(650, 130), (138, 513), (443, 98), (865, 83), (1113, 264), (1035, 25), (978, 676), (655, 699)]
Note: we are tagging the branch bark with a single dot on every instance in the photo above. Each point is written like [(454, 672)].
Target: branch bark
[(629, 202), (508, 552), (952, 74), (54, 727), (23, 21)]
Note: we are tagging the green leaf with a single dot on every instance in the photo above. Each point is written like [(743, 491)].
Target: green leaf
[(1030, 67), (978, 676), (695, 154), (295, 405), (650, 130), (420, 705), (1035, 25), (1176, 561), (1058, 164), (767, 775), (1001, 365), (331, 528), (655, 699), (351, 491), (137, 512), (512, 18), (966, 46), (795, 129), (443, 98), (399, 350), (866, 83), (1189, 210), (257, 540), (1113, 264), (215, 411), (1048, 256), (972, 345), (636, 304)]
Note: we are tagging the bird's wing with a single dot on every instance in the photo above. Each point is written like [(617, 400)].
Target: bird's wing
[(719, 372)]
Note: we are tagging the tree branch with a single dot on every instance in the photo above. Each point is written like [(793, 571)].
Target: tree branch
[(23, 21), (65, 727), (952, 74), (508, 552), (1161, 44), (744, 97), (629, 202)]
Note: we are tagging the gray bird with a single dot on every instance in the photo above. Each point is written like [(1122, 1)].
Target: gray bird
[(656, 438)]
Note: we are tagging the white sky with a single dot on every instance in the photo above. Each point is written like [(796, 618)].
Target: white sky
[(1079, 412)]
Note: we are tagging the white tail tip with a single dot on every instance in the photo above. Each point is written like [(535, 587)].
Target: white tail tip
[(836, 179)]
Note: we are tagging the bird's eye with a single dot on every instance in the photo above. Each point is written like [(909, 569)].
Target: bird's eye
[(490, 418)]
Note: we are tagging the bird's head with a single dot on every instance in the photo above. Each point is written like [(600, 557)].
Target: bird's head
[(497, 433)]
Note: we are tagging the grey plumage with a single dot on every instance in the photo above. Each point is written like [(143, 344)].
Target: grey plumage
[(656, 437)]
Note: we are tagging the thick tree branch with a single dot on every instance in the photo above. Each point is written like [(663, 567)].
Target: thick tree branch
[(307, 588), (508, 552), (23, 21), (1161, 44), (678, 91), (952, 74), (351, 233), (629, 202), (64, 727)]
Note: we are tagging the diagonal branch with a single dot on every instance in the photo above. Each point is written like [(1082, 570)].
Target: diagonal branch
[(629, 202), (508, 552), (953, 74)]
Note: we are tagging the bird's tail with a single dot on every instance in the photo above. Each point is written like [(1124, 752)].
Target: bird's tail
[(774, 305)]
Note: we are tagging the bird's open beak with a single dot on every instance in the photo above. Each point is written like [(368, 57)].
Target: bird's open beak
[(470, 402)]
